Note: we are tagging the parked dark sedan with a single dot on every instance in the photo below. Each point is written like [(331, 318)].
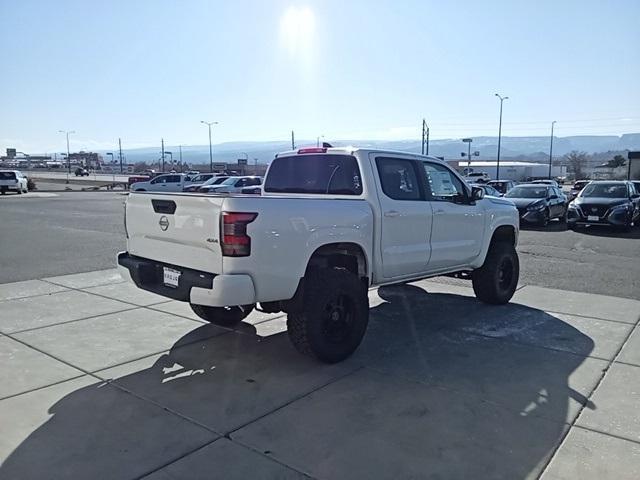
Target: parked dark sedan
[(538, 203), (613, 203)]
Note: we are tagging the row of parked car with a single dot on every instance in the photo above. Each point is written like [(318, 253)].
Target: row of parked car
[(589, 202), (200, 183)]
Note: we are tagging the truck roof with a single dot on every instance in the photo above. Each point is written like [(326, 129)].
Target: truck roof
[(350, 150)]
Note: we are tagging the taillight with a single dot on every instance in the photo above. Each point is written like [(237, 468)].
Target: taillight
[(312, 150), (235, 241)]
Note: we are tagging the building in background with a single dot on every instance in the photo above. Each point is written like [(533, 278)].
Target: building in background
[(15, 159), (518, 171), (86, 159)]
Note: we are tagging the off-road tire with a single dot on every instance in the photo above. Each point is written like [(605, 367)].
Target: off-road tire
[(223, 316), (333, 315), (496, 281)]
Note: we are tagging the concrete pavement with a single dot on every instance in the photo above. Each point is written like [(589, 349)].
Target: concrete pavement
[(101, 380)]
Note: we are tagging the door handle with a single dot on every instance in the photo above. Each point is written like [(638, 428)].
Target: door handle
[(392, 213), (440, 211)]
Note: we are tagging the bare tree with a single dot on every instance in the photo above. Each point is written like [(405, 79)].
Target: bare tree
[(617, 161), (576, 161)]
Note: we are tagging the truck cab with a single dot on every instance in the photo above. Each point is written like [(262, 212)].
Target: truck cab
[(330, 223)]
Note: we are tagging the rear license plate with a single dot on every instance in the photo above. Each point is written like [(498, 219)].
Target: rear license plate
[(593, 218), (171, 277)]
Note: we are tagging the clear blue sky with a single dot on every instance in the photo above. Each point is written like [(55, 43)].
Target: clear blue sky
[(145, 69)]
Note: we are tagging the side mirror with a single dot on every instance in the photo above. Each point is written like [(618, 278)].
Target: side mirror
[(635, 196), (477, 193), (553, 197)]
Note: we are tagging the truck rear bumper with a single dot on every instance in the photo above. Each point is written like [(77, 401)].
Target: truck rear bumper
[(194, 286)]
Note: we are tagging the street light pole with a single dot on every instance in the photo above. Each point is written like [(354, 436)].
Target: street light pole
[(551, 149), (67, 133), (120, 154), (502, 99), (468, 142), (208, 124)]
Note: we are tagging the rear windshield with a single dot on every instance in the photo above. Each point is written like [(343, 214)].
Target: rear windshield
[(7, 176), (323, 174)]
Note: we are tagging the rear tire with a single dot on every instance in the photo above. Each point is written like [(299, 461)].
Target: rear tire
[(333, 317), (496, 281), (223, 316)]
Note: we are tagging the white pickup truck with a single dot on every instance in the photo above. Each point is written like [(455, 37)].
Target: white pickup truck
[(331, 223)]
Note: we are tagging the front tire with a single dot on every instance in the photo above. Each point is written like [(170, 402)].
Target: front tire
[(496, 281), (545, 219), (333, 317), (222, 316)]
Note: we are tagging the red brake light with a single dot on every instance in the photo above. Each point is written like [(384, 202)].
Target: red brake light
[(235, 241), (312, 150)]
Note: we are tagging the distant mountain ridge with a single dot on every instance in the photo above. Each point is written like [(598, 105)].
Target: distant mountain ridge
[(511, 147)]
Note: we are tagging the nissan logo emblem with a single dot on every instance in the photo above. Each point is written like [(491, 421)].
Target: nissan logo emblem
[(164, 223)]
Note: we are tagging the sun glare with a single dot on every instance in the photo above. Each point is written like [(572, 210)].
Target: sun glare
[(297, 29)]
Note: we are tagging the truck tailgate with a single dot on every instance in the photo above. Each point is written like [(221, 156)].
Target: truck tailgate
[(178, 229)]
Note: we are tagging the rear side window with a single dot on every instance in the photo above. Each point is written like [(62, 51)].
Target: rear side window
[(7, 176), (322, 174), (398, 178)]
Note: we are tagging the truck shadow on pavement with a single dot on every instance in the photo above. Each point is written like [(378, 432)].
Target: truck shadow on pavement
[(442, 387)]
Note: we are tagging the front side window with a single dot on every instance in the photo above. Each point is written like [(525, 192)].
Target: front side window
[(161, 179), (398, 178), (444, 185)]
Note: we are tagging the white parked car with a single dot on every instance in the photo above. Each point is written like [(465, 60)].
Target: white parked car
[(231, 185), (13, 180), (477, 177), (202, 180), (168, 182), (330, 223)]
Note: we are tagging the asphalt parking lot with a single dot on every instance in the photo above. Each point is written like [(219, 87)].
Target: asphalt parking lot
[(101, 380), (84, 231)]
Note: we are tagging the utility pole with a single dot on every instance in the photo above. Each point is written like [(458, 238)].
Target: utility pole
[(162, 141), (502, 99), (293, 141), (181, 165), (551, 149), (120, 154), (208, 124), (425, 137)]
